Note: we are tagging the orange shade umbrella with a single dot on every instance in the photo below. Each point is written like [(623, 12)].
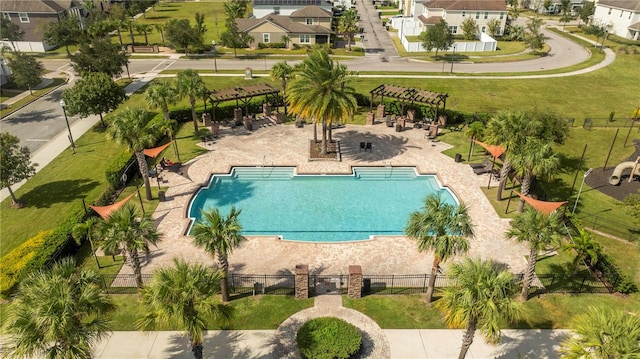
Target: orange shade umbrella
[(154, 152), (541, 206), (495, 150), (105, 211)]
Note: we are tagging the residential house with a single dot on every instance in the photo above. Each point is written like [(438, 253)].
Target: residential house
[(622, 17), (262, 8), (307, 26), (32, 17), (454, 12)]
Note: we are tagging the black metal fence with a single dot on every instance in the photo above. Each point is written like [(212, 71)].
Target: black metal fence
[(601, 122), (284, 284), (607, 225)]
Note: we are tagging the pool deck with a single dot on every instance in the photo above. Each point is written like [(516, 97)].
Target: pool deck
[(286, 145)]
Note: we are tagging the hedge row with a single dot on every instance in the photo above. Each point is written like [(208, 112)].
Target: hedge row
[(621, 283), (13, 263)]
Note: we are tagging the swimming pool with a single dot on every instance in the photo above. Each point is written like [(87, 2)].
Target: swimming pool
[(319, 208)]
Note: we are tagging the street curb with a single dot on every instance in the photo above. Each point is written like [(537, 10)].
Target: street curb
[(35, 98)]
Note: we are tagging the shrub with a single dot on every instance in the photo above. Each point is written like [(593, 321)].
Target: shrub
[(621, 283), (329, 338), (113, 173), (13, 263)]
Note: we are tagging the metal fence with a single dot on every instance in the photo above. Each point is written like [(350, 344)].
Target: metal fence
[(607, 225), (392, 284), (600, 122)]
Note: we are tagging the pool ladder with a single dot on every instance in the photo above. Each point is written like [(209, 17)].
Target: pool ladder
[(389, 168)]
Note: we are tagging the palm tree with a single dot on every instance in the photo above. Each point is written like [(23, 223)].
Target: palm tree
[(442, 228), (126, 228), (348, 26), (144, 29), (281, 71), (59, 313), (586, 247), (474, 132), (168, 126), (602, 333), (219, 236), (184, 296), (509, 130), (86, 230), (539, 231), (481, 298), (160, 29), (190, 85), (129, 128), (319, 91), (533, 159), (160, 95)]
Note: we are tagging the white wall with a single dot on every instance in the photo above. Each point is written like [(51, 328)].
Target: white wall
[(486, 43), (26, 46), (617, 19), (262, 11)]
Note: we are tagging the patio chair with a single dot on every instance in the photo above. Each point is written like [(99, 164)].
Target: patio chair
[(362, 146), (484, 169), (486, 162), (368, 147)]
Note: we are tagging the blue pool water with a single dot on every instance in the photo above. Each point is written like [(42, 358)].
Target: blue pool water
[(319, 208)]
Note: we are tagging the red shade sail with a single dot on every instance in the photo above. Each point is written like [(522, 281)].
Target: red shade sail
[(105, 211), (154, 152), (541, 206), (495, 150)]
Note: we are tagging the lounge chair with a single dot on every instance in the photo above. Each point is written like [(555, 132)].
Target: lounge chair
[(362, 146), (483, 170), (486, 162), (368, 147)]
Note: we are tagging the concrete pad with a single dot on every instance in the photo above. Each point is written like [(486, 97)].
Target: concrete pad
[(131, 345), (440, 343), (540, 343), (406, 344), (255, 344)]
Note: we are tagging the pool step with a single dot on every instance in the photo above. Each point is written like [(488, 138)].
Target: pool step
[(262, 173), (385, 173)]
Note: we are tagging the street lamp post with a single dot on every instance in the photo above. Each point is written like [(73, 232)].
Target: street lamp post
[(215, 61), (580, 190), (64, 110), (453, 58)]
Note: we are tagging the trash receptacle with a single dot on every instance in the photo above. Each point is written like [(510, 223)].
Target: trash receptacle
[(366, 286), (398, 128), (458, 157), (257, 288), (161, 196)]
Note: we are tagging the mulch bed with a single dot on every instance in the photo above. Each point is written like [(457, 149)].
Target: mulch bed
[(599, 179), (315, 150)]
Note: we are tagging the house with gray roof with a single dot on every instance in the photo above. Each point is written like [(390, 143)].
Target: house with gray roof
[(32, 17), (621, 17), (454, 12), (306, 26), (262, 8)]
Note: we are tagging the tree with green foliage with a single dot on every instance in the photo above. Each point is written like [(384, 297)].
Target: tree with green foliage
[(348, 26), (99, 55), (236, 9), (64, 32), (598, 31), (160, 29), (480, 300), (129, 128), (190, 85), (538, 231), (94, 94), (126, 228), (493, 27), (57, 314), (130, 26), (533, 37), (118, 16), (26, 70), (10, 32), (319, 90), (534, 159), (87, 229), (144, 29), (219, 236), (15, 163), (161, 94), (514, 12), (200, 27), (437, 37), (181, 34), (474, 132), (282, 71), (469, 28), (586, 11), (516, 33), (603, 333), (587, 248), (442, 228), (100, 29), (632, 203), (233, 38), (184, 296), (565, 8)]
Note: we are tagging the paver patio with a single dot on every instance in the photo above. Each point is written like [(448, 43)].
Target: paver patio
[(286, 145)]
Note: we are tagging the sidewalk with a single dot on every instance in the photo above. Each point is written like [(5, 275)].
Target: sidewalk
[(377, 343)]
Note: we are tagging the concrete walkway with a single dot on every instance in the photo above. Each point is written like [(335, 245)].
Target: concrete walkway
[(377, 343)]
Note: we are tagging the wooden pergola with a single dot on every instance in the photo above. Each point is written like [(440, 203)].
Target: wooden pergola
[(241, 94), (409, 95)]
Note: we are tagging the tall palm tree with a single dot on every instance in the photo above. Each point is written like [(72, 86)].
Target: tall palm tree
[(539, 231), (319, 91), (219, 236), (126, 228), (129, 128), (509, 130), (160, 95), (190, 84), (87, 230), (481, 298), (59, 313), (474, 132), (533, 159), (184, 296), (602, 333), (586, 247), (168, 126), (442, 228), (348, 26), (281, 71)]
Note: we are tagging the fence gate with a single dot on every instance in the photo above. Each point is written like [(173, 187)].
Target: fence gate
[(328, 284)]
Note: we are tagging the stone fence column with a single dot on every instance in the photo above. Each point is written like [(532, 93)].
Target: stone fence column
[(266, 109), (355, 282), (302, 281), (380, 112), (370, 118)]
